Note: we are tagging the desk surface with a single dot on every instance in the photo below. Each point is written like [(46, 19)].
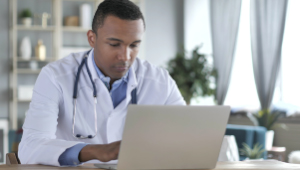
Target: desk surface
[(241, 165)]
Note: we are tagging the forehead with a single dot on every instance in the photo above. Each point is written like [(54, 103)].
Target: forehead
[(123, 29)]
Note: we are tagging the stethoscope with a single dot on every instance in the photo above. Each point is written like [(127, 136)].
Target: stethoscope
[(84, 62)]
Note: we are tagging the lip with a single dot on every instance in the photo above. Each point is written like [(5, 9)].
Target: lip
[(121, 69)]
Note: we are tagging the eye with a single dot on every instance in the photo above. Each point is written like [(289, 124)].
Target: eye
[(114, 45), (133, 45)]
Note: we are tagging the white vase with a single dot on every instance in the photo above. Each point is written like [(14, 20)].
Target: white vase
[(85, 16), (25, 48), (269, 139), (27, 21)]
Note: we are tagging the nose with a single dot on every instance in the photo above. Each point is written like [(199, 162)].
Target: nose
[(124, 54)]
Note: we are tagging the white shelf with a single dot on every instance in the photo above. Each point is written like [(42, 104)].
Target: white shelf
[(24, 101), (75, 29), (28, 71), (48, 59), (35, 28)]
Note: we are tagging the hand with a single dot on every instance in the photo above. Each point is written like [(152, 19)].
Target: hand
[(103, 153)]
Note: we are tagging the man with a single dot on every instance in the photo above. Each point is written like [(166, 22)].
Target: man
[(114, 74)]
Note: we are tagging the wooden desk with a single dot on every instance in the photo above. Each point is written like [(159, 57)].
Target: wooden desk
[(241, 165)]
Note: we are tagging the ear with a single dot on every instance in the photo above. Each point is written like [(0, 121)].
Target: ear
[(91, 36)]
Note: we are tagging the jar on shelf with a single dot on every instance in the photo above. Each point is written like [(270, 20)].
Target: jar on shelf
[(40, 50)]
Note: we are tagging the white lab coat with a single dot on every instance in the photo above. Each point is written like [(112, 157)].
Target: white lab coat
[(48, 124)]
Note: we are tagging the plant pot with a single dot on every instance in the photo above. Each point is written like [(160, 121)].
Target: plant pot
[(269, 139), (27, 21), (257, 159)]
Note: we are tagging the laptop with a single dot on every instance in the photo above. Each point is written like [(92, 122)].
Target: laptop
[(171, 137)]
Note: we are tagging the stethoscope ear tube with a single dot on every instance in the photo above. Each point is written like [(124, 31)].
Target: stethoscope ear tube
[(90, 76), (77, 78)]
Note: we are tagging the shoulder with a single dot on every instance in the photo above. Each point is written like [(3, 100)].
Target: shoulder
[(146, 71), (65, 66)]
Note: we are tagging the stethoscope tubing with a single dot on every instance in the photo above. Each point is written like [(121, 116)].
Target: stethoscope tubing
[(84, 62)]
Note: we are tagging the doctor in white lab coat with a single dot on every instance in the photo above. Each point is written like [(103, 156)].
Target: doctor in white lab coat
[(48, 124)]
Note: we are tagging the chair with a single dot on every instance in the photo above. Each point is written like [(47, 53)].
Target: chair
[(249, 135), (12, 158)]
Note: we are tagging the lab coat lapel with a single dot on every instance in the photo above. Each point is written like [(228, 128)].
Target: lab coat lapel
[(132, 84), (116, 121), (98, 82), (105, 104), (84, 79)]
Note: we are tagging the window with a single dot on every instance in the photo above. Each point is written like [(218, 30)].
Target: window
[(242, 90), (288, 89)]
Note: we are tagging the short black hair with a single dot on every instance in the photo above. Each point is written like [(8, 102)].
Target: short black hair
[(123, 9)]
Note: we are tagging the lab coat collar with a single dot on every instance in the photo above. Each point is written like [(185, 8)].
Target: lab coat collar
[(132, 84), (91, 66)]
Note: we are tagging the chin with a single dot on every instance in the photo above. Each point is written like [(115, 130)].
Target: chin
[(118, 76)]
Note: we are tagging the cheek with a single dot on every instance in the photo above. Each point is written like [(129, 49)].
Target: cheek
[(106, 53), (134, 53)]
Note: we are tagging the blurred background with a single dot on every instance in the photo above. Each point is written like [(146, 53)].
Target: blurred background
[(241, 53)]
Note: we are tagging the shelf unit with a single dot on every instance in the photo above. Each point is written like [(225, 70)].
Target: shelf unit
[(56, 29)]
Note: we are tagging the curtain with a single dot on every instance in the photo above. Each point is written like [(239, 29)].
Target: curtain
[(224, 19), (267, 21)]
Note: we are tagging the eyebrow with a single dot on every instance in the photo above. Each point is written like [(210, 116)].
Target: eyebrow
[(115, 39)]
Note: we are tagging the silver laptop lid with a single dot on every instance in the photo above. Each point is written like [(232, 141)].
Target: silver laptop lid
[(172, 137)]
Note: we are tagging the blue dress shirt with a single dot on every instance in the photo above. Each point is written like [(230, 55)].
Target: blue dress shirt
[(117, 93)]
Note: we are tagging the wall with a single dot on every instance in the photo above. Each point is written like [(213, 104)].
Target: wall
[(164, 30), (4, 58)]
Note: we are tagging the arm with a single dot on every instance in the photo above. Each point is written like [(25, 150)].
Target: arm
[(71, 156), (82, 152), (174, 95), (104, 153), (39, 144)]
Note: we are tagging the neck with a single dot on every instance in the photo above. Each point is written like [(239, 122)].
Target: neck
[(111, 81)]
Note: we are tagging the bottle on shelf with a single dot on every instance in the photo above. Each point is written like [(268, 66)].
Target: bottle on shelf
[(40, 50)]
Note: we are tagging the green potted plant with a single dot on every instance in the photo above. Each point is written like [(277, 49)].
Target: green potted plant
[(267, 119), (26, 16), (193, 75), (255, 153)]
